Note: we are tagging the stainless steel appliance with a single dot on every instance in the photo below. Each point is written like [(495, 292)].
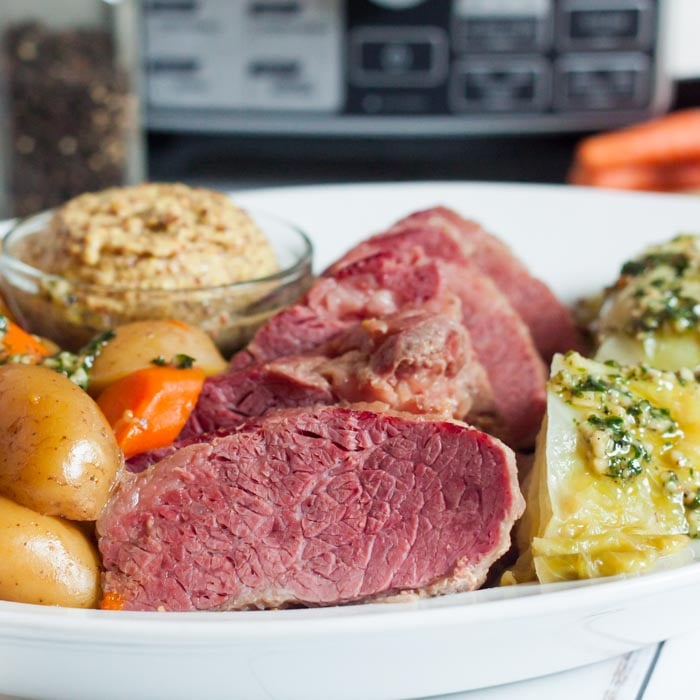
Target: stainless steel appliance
[(403, 67)]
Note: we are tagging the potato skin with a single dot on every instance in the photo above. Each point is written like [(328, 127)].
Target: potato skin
[(45, 560), (137, 344), (58, 454)]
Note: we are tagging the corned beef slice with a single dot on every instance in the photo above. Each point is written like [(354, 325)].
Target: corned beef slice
[(444, 234), (415, 361), (142, 461), (504, 347), (316, 507), (373, 287), (387, 281), (227, 400), (411, 361)]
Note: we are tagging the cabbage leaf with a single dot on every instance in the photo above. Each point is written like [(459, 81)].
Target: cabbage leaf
[(615, 484), (651, 315)]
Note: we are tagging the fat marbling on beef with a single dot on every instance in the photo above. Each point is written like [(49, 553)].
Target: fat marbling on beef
[(411, 361), (373, 287), (315, 507)]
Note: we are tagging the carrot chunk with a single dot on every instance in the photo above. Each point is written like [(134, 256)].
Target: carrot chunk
[(148, 408), (670, 139), (111, 601), (674, 177), (15, 341)]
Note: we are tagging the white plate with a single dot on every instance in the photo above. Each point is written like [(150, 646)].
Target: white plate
[(575, 239)]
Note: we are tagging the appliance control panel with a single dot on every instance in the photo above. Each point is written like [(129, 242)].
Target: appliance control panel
[(426, 67)]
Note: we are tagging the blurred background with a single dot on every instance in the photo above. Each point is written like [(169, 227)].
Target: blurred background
[(247, 93)]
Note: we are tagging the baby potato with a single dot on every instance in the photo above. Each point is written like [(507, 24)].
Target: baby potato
[(45, 560), (137, 344), (58, 453)]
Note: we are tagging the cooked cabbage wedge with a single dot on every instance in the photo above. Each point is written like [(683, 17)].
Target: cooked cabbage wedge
[(652, 313), (615, 484)]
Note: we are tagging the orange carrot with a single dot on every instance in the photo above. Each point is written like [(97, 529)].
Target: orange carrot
[(674, 177), (148, 408), (625, 177), (15, 341), (669, 139), (111, 601)]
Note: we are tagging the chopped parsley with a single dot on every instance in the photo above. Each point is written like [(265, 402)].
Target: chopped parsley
[(75, 366), (679, 262), (623, 454), (591, 383), (657, 292), (179, 361), (664, 307), (182, 361), (618, 427), (694, 502)]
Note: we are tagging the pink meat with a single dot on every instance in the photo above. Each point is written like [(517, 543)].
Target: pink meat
[(445, 235), (374, 287), (412, 361), (504, 347), (388, 281), (319, 507)]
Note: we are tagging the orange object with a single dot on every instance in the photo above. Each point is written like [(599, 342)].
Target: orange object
[(673, 177), (111, 601), (148, 408), (670, 139), (16, 341)]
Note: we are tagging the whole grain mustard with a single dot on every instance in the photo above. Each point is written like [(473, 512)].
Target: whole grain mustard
[(155, 236)]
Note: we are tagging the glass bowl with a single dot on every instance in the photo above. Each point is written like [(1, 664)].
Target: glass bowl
[(71, 313)]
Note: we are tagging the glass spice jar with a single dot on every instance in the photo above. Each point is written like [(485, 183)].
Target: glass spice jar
[(69, 108)]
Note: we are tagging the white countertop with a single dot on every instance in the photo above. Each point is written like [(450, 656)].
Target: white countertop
[(657, 672)]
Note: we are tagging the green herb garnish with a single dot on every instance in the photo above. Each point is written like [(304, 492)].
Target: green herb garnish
[(679, 262), (179, 361)]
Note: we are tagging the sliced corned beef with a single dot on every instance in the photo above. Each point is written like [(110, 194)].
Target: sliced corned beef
[(444, 234), (388, 281), (373, 287), (504, 347), (318, 507), (412, 361)]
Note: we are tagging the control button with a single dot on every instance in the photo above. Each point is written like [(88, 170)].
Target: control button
[(595, 82), (479, 25), (623, 24), (497, 34), (515, 84), (398, 57)]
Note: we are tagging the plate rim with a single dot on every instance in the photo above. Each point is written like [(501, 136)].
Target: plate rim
[(451, 610)]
